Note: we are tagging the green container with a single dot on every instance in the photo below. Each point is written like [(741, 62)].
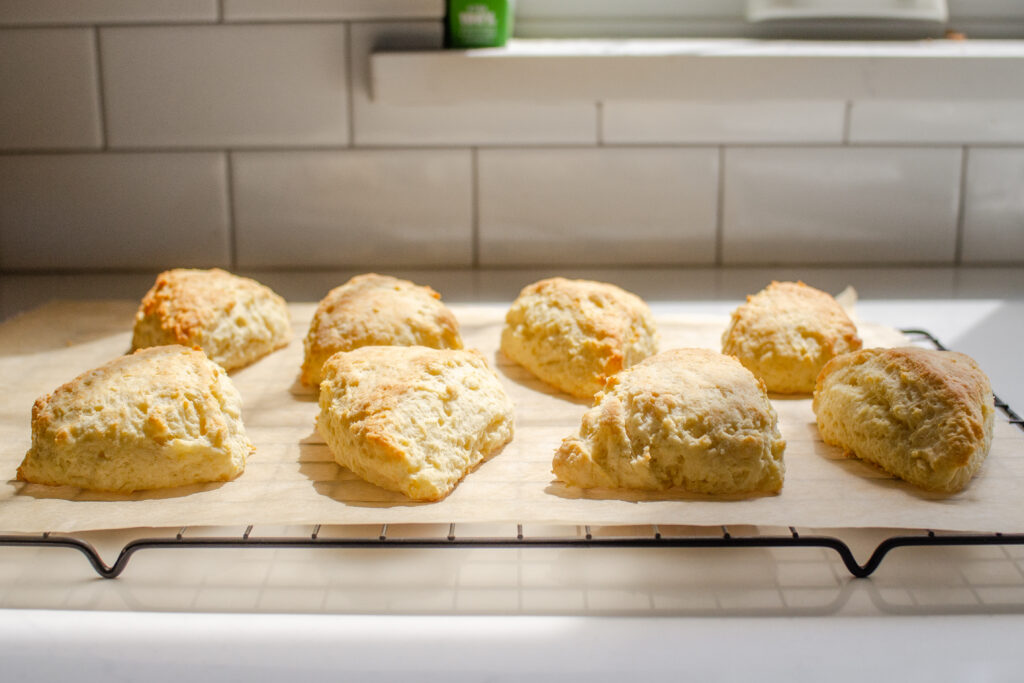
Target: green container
[(479, 23)]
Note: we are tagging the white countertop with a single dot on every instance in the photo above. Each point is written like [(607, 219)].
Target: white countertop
[(503, 614), (161, 647)]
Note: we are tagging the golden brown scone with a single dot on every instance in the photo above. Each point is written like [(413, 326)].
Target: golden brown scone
[(925, 416), (689, 418), (412, 419), (575, 334), (786, 333), (162, 416), (376, 310), (233, 319)]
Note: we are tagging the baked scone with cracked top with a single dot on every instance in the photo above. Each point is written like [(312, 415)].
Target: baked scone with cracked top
[(234, 320), (575, 334), (786, 333), (413, 419), (376, 310), (924, 416), (163, 416), (688, 418)]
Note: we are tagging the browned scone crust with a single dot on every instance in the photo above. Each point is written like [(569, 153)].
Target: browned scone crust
[(688, 418), (376, 310), (924, 416), (786, 333), (575, 334), (234, 320)]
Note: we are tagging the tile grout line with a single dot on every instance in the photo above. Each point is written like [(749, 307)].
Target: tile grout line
[(633, 266), (189, 23), (136, 148), (720, 208), (350, 86), (474, 191), (229, 175), (101, 91), (958, 249), (220, 11)]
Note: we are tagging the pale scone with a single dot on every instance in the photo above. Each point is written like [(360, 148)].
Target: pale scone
[(163, 416), (924, 416), (786, 333), (376, 310), (234, 320), (575, 334), (412, 419), (688, 418)]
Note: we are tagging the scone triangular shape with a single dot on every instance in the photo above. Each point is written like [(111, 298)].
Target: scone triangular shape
[(163, 416), (925, 416), (410, 418), (688, 418)]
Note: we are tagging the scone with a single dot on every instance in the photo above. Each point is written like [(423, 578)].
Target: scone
[(376, 310), (575, 334), (924, 416), (786, 333), (412, 419), (233, 319), (162, 416), (688, 418)]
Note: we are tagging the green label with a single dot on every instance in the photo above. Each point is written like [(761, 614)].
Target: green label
[(479, 23)]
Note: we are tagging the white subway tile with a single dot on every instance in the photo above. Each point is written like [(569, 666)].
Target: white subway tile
[(354, 208), (105, 11), (938, 122), (49, 96), (113, 211), (994, 206), (597, 206), (840, 205), (723, 122), (226, 85), (269, 10), (498, 123)]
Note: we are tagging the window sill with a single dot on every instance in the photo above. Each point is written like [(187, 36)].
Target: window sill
[(715, 69)]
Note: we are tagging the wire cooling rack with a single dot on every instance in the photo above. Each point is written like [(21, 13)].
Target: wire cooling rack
[(585, 539)]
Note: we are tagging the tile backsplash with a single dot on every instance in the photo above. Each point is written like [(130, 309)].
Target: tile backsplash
[(841, 205), (244, 133), (48, 93), (354, 207), (597, 206), (225, 85), (113, 210)]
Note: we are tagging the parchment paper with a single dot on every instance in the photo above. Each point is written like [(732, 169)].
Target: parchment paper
[(292, 478)]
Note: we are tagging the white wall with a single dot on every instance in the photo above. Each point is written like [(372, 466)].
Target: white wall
[(242, 133)]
